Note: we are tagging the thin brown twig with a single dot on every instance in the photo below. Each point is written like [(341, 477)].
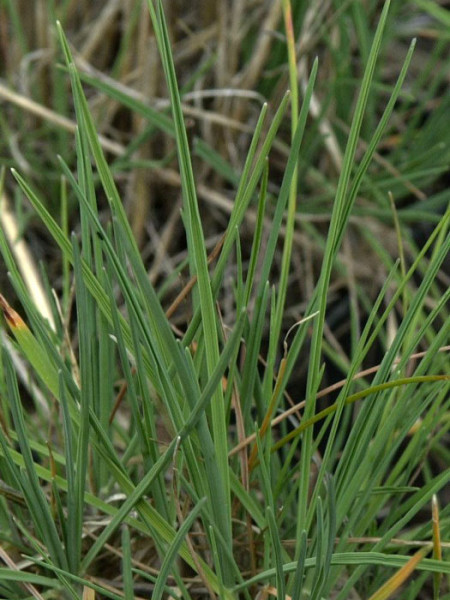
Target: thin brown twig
[(12, 565), (190, 284), (169, 312), (321, 394)]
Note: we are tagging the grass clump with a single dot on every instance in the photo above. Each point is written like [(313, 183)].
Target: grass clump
[(163, 443)]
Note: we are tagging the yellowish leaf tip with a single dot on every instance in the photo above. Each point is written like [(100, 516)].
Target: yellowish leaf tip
[(12, 318)]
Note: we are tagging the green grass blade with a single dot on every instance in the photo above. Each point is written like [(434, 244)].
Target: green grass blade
[(199, 266), (277, 552), (335, 232), (38, 505), (127, 565), (174, 548)]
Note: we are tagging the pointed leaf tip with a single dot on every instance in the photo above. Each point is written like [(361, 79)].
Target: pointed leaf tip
[(12, 317)]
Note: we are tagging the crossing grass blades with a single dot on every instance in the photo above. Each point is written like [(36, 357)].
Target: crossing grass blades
[(196, 477)]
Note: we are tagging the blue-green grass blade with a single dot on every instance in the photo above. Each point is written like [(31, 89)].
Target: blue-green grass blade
[(127, 573), (65, 245), (199, 266), (38, 506), (413, 506), (134, 494), (254, 338), (277, 552), (257, 235), (65, 577), (167, 347), (137, 386), (300, 567), (216, 559), (368, 155), (248, 182), (334, 234), (85, 121), (158, 119), (88, 390), (7, 574), (385, 368), (251, 505), (72, 541), (366, 559), (367, 337), (297, 137), (331, 536), (264, 473), (174, 548), (318, 574)]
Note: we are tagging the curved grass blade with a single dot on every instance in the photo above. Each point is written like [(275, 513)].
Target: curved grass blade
[(307, 423), (394, 582)]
